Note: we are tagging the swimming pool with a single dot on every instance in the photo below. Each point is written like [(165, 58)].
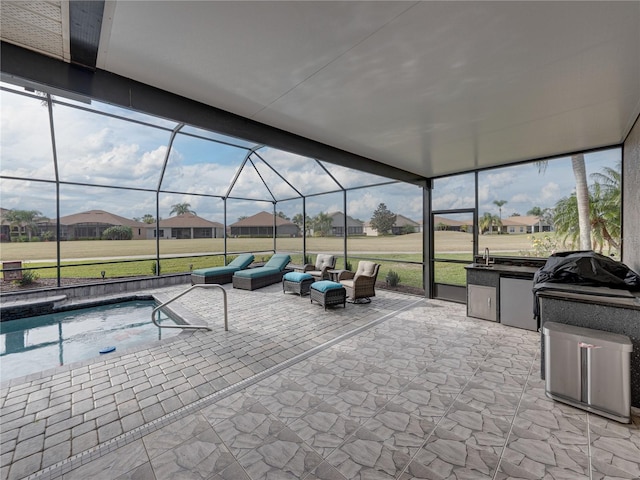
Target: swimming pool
[(33, 344)]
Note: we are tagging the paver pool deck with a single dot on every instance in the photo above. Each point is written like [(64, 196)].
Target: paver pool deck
[(403, 387)]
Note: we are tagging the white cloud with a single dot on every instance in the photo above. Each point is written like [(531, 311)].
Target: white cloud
[(520, 198), (363, 206), (550, 193)]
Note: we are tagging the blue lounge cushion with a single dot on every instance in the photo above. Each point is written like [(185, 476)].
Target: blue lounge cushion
[(239, 263), (242, 261), (324, 285), (278, 261), (256, 272), (213, 271), (297, 276)]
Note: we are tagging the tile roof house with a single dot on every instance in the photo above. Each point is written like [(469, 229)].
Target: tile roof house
[(398, 227), (261, 225), (354, 227), (185, 226), (444, 223), (91, 225), (525, 224), (403, 225)]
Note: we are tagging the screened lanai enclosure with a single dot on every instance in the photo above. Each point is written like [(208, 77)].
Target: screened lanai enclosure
[(180, 197), (93, 192)]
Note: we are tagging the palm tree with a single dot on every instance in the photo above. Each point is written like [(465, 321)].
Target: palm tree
[(607, 196), (298, 220), (500, 203), (564, 219), (181, 209), (604, 213), (582, 197), (488, 221), (322, 224), (26, 219)]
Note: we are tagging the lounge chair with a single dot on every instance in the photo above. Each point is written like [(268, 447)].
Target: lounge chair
[(272, 272), (221, 274), (360, 285), (323, 263)]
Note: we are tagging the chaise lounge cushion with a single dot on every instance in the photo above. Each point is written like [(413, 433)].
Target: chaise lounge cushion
[(278, 260), (275, 264), (239, 263), (256, 272), (253, 278)]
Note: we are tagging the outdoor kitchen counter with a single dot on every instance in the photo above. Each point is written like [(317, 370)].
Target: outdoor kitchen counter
[(498, 268), (501, 292)]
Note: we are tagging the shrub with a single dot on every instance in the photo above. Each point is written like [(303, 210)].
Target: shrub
[(118, 232), (47, 236), (543, 246), (347, 266), (155, 268), (392, 279), (35, 239), (28, 277)]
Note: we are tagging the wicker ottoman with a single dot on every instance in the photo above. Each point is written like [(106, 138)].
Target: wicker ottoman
[(297, 282), (328, 293)]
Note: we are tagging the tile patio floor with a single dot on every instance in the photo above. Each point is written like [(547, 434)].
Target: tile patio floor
[(402, 388)]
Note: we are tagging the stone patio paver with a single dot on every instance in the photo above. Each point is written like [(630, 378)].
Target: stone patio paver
[(98, 400)]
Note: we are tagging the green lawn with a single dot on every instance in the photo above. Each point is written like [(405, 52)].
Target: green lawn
[(129, 258)]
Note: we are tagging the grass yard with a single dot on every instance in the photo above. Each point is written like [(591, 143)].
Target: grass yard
[(124, 258)]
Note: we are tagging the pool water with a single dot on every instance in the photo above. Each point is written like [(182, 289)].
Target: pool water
[(33, 344)]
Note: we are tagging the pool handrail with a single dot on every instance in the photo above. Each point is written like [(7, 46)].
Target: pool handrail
[(193, 327)]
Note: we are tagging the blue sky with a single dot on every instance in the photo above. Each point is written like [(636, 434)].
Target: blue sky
[(107, 151), (522, 186)]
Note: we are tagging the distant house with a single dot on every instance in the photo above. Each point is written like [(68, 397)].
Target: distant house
[(186, 226), (403, 224), (354, 227), (261, 225), (92, 224), (451, 225), (10, 232), (525, 224), (398, 228)]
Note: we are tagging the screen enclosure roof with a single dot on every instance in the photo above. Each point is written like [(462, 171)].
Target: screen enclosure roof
[(432, 88)]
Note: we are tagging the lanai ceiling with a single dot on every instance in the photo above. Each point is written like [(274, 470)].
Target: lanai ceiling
[(429, 87)]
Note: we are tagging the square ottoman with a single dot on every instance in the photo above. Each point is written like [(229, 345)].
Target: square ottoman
[(297, 282), (328, 293)]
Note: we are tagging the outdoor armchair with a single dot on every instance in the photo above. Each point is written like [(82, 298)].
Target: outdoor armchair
[(360, 285), (323, 263)]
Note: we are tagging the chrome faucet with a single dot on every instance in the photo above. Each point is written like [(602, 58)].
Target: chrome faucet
[(485, 257)]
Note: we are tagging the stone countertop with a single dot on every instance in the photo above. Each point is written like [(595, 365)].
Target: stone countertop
[(504, 269), (593, 295)]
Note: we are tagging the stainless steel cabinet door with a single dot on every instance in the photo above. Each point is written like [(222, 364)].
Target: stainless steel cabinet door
[(516, 303), (481, 302)]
